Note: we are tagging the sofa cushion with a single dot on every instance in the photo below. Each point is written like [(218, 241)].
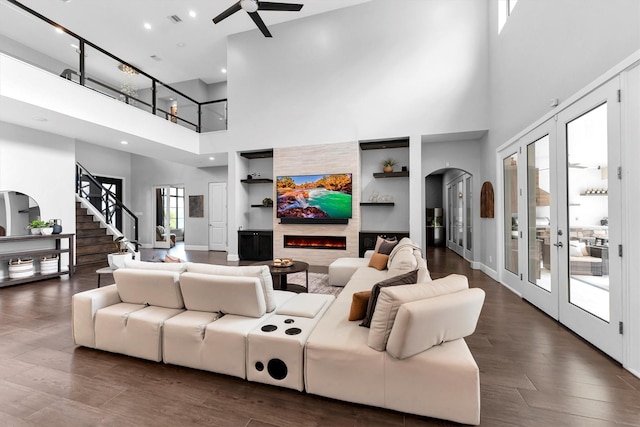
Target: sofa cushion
[(391, 298), (304, 305), (391, 243), (401, 259), (166, 266), (403, 279), (151, 287), (241, 295), (378, 261), (422, 324), (386, 246), (259, 271), (359, 303)]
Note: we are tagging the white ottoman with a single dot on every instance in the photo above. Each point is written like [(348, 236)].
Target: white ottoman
[(276, 347), (341, 270)]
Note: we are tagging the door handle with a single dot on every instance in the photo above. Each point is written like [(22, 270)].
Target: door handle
[(558, 245)]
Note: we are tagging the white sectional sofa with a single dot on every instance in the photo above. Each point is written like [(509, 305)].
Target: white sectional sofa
[(229, 320), (419, 362), (189, 314)]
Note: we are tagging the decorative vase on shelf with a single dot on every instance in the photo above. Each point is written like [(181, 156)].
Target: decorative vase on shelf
[(387, 169), (57, 225)]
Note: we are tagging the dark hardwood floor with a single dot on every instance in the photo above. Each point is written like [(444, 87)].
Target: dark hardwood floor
[(534, 372)]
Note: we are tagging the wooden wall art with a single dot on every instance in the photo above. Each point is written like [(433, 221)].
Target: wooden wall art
[(486, 200)]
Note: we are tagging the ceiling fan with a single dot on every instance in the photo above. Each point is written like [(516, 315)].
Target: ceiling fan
[(253, 6)]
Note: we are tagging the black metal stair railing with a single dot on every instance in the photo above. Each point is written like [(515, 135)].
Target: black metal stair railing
[(202, 119), (110, 205)]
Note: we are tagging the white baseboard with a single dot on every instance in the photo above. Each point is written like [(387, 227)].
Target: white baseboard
[(233, 257), (489, 271), (633, 371), (196, 248)]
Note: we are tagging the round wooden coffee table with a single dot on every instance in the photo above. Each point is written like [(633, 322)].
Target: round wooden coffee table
[(279, 275)]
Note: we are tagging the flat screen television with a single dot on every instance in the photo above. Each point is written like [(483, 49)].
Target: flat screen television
[(314, 197)]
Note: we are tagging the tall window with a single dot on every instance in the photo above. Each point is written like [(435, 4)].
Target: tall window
[(176, 205)]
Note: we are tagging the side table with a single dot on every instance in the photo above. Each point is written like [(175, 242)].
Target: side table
[(103, 270)]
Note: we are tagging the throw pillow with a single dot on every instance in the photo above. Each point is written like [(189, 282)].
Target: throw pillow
[(359, 303), (387, 246), (403, 279), (381, 239), (574, 248), (378, 261)]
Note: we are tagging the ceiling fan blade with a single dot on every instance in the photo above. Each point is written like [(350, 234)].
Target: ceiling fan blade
[(260, 23), (289, 7), (233, 9)]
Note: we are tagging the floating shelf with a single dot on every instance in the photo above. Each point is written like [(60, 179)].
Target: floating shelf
[(377, 204), (256, 181), (379, 144), (401, 174), (261, 206), (265, 154), (594, 194)]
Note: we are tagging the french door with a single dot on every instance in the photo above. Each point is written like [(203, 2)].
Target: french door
[(460, 215), (562, 218)]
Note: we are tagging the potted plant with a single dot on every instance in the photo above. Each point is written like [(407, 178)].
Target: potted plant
[(36, 226), (388, 164), (267, 201), (119, 258)]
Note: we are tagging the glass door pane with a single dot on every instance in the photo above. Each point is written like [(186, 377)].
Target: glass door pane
[(539, 213), (469, 221), (510, 173), (587, 187), (459, 215)]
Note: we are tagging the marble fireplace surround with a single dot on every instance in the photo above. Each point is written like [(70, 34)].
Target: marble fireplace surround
[(319, 159)]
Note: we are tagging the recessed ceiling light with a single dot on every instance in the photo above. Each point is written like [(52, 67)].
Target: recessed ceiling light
[(40, 119), (181, 44), (59, 30), (147, 25), (212, 158), (123, 142), (75, 46), (192, 13), (224, 70)]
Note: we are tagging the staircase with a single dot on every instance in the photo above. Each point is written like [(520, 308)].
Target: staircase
[(93, 244)]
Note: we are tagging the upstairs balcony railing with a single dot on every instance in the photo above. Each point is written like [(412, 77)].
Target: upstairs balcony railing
[(31, 37)]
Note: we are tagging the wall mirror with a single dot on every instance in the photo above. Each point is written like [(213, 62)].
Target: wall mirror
[(17, 210)]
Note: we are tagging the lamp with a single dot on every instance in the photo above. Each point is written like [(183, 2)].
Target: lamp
[(128, 87)]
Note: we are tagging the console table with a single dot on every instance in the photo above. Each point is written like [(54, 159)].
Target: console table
[(27, 247)]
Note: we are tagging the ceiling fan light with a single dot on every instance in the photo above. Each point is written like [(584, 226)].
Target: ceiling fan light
[(249, 5)]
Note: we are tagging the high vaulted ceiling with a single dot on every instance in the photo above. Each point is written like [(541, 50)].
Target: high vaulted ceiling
[(194, 48)]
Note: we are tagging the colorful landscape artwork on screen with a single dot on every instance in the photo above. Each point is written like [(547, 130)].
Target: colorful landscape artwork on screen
[(314, 196)]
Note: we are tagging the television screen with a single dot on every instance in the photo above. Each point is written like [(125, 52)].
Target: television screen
[(314, 196)]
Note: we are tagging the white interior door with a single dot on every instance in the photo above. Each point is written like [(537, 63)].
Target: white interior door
[(217, 216), (590, 299)]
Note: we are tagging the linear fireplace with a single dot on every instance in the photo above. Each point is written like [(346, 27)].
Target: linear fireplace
[(315, 242)]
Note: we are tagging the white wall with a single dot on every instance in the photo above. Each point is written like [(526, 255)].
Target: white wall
[(41, 165), (420, 68)]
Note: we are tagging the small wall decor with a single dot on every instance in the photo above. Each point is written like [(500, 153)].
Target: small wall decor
[(196, 206), (486, 200)]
